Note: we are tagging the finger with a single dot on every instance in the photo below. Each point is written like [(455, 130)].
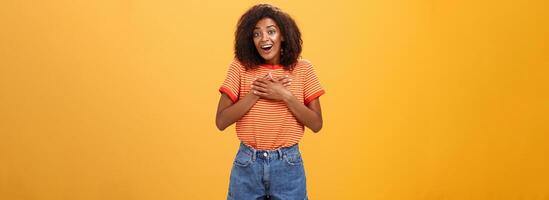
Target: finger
[(267, 76), (264, 81), (275, 80), (259, 84), (287, 80), (287, 84), (283, 77), (258, 93), (261, 89)]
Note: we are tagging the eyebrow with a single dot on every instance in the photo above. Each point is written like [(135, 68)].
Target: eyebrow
[(272, 25)]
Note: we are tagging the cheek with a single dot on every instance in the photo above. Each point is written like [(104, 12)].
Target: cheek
[(277, 38), (256, 42), (277, 41)]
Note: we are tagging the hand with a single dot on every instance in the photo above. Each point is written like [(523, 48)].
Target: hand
[(272, 88), (285, 80)]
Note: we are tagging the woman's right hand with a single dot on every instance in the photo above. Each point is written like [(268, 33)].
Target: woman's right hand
[(272, 88)]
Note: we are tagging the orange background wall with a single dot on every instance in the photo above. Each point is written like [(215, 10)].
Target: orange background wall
[(426, 99)]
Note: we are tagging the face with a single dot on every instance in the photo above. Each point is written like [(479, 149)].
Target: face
[(267, 40)]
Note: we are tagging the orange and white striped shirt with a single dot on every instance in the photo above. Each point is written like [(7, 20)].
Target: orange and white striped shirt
[(270, 124)]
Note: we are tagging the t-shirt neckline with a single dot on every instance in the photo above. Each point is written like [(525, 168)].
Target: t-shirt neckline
[(271, 66)]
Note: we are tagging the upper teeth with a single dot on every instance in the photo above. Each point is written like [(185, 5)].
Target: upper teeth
[(267, 46)]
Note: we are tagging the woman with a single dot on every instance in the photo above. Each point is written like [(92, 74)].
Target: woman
[(271, 94)]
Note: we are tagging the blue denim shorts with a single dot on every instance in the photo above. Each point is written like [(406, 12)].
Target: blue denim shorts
[(267, 174)]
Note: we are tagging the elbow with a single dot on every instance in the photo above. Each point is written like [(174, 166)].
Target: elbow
[(317, 127), (222, 123), (220, 126)]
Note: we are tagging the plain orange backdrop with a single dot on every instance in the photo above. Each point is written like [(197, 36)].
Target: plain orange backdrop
[(426, 99)]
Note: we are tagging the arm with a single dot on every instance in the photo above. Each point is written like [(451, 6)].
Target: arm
[(228, 113), (310, 115)]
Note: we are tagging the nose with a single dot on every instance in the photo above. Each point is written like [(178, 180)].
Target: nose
[(264, 37)]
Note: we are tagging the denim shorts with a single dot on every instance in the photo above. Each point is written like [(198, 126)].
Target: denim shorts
[(267, 174)]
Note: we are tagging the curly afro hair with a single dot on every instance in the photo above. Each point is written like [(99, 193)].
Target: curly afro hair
[(244, 48)]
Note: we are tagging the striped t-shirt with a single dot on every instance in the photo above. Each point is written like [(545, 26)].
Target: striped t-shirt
[(270, 124)]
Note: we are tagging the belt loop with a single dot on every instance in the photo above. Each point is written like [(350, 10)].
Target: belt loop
[(254, 152), (279, 154)]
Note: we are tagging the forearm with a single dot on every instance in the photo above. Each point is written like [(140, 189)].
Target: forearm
[(303, 114), (234, 112)]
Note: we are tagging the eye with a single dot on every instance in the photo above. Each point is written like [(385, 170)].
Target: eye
[(256, 34), (271, 32)]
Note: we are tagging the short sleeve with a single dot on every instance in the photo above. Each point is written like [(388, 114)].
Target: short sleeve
[(231, 85), (311, 87)]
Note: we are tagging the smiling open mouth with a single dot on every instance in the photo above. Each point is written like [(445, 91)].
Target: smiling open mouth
[(267, 47)]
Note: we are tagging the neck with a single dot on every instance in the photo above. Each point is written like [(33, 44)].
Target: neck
[(274, 61), (270, 62)]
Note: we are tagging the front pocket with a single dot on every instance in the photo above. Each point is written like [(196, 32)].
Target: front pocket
[(242, 159), (293, 159)]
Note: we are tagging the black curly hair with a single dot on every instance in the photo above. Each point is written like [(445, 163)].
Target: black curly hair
[(244, 48)]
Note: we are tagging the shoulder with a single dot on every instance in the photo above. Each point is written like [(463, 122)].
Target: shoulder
[(237, 65), (303, 64)]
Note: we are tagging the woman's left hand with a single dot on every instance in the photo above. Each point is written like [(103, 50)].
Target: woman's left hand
[(272, 88)]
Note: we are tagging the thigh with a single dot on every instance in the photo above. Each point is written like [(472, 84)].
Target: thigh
[(245, 181), (288, 178)]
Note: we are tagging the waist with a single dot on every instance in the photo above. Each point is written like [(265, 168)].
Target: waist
[(279, 152)]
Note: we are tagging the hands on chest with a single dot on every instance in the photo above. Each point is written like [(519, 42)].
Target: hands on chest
[(272, 88)]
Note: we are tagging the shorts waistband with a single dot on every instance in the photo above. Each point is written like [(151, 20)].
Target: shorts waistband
[(265, 153)]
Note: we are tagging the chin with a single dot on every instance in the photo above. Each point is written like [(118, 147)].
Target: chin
[(267, 58)]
